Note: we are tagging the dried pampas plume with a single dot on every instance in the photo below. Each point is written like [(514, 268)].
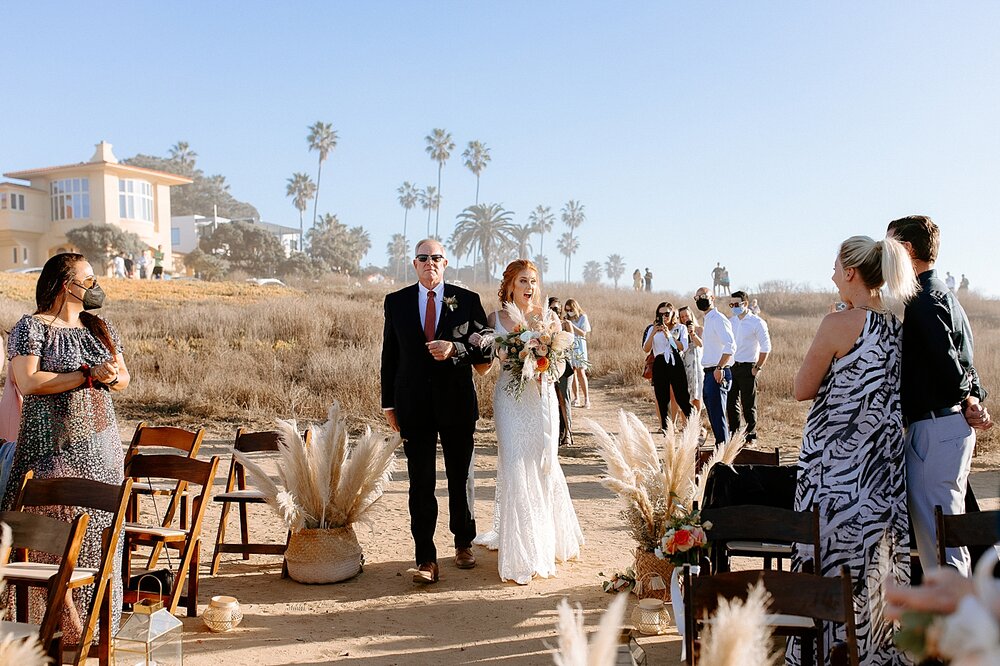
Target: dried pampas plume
[(573, 649), (739, 634), (725, 454)]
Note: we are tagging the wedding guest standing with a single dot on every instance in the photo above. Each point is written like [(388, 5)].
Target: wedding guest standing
[(692, 355), (753, 344), (562, 386), (719, 347), (637, 280), (580, 327), (649, 280), (851, 463), (665, 338), (67, 362)]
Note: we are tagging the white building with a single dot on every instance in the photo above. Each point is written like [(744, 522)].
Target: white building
[(186, 230)]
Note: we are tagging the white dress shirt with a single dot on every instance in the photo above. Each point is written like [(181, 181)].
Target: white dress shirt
[(752, 338), (718, 338), (422, 302)]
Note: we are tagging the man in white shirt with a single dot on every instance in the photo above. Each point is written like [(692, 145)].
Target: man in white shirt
[(719, 345), (753, 344), (950, 282)]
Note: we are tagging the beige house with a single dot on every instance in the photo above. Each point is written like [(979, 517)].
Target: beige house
[(35, 217)]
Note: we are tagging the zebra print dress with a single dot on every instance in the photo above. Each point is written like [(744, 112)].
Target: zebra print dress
[(851, 466)]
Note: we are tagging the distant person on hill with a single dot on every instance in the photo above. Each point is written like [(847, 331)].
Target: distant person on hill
[(692, 355), (144, 262), (637, 280), (717, 279), (754, 307), (119, 263), (129, 266), (963, 286), (580, 327), (753, 344), (158, 263), (649, 280), (950, 281), (720, 345), (940, 391), (725, 280)]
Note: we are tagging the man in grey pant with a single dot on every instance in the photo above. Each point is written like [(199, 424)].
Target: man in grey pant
[(940, 392)]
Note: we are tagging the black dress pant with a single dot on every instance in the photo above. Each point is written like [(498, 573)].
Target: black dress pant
[(421, 465), (565, 412), (667, 376), (743, 398)]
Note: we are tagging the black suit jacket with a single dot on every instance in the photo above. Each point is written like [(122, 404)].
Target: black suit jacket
[(415, 385)]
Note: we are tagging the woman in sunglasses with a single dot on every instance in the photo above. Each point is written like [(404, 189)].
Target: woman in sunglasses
[(666, 339), (67, 362)]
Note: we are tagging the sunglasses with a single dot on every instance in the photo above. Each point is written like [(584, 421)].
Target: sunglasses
[(88, 283), (735, 305), (436, 258)]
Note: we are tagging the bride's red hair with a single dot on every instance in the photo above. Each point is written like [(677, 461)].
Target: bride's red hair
[(514, 268)]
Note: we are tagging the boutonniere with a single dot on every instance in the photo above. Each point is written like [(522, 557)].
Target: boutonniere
[(451, 302)]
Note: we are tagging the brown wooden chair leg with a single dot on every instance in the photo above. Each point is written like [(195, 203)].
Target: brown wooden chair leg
[(244, 530), (220, 538), (192, 595)]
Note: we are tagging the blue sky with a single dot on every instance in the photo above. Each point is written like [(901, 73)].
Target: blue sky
[(755, 134)]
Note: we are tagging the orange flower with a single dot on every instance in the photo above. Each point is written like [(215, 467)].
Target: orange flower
[(542, 364)]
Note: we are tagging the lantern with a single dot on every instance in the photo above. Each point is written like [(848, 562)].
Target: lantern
[(651, 617), (151, 637)]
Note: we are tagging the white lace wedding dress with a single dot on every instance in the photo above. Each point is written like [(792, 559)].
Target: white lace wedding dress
[(534, 524)]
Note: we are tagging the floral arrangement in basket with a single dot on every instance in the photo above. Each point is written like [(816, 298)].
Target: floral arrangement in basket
[(533, 348), (684, 535), (328, 483), (21, 651)]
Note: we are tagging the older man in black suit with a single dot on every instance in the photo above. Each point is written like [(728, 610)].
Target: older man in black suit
[(427, 392)]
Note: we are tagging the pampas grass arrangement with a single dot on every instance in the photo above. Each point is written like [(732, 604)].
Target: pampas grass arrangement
[(24, 651), (602, 650), (328, 482), (739, 634)]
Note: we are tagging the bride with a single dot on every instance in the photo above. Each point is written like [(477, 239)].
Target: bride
[(534, 524)]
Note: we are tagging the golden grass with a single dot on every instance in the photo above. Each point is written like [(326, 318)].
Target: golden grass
[(222, 354)]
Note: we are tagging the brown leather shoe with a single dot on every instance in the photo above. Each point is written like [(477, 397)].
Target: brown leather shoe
[(464, 559), (426, 573)]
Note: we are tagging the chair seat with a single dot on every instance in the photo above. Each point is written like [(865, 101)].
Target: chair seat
[(783, 549), (780, 620), (155, 531), (249, 495), (38, 572), (18, 630), (154, 487)]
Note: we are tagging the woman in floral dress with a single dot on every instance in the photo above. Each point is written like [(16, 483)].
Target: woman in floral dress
[(67, 362)]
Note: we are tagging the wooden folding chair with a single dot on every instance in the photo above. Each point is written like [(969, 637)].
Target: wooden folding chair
[(744, 457), (186, 443), (800, 603), (186, 540), (34, 532), (976, 531), (93, 495), (238, 493), (767, 532)]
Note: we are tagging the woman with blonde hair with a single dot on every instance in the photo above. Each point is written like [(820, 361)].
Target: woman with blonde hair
[(851, 463), (580, 327), (534, 524)]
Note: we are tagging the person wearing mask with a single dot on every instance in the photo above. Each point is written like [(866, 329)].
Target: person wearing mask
[(692, 355), (580, 328), (753, 344), (719, 347), (666, 338)]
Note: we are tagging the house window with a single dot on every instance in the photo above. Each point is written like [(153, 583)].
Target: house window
[(175, 236), (135, 200), (11, 200), (71, 199), (24, 252), (15, 255)]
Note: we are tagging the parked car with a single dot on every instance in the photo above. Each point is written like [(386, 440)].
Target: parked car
[(267, 282), (31, 271)]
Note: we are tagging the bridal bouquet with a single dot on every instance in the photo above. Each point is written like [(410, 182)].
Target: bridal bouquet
[(532, 349)]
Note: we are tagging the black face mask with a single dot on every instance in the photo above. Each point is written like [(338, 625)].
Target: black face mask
[(93, 298), (703, 303)]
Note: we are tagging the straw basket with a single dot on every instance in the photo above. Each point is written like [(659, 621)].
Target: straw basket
[(647, 565), (324, 555)]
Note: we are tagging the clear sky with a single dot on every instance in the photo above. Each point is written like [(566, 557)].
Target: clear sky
[(756, 134)]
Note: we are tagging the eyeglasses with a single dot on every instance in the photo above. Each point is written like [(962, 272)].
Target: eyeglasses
[(735, 305), (436, 258), (88, 283)]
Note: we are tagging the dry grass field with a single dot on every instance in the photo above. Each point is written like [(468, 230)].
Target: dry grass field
[(222, 354)]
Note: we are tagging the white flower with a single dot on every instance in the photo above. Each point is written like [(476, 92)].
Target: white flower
[(562, 341), (970, 632), (527, 335)]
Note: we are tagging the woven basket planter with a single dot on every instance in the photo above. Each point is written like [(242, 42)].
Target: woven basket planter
[(647, 565), (324, 555)]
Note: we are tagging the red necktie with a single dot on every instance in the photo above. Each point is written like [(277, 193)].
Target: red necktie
[(430, 318)]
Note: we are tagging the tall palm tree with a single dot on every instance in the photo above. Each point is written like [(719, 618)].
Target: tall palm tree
[(542, 262), (568, 246), (521, 235), (430, 200), (573, 215), (489, 228), (439, 147), (323, 139), (301, 189), (398, 250), (409, 196), (181, 153), (542, 219), (592, 272), (615, 267), (477, 156)]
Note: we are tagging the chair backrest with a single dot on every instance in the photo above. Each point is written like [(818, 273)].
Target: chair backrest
[(179, 468), (980, 528), (767, 485), (256, 442), (744, 457), (185, 441), (764, 523), (822, 598), (32, 531)]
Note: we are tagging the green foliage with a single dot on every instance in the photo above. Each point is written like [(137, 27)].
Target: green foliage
[(339, 247), (592, 272), (300, 265), (486, 228), (615, 267), (206, 266), (246, 247), (100, 242)]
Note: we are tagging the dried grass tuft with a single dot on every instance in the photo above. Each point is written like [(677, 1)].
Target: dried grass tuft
[(739, 634), (573, 648)]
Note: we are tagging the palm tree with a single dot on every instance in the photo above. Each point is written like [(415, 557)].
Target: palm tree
[(573, 215), (301, 189), (181, 153), (487, 228), (568, 246), (409, 196), (521, 235), (542, 262), (398, 250), (322, 138), (615, 267), (430, 200), (439, 147), (592, 272), (542, 219), (477, 156)]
